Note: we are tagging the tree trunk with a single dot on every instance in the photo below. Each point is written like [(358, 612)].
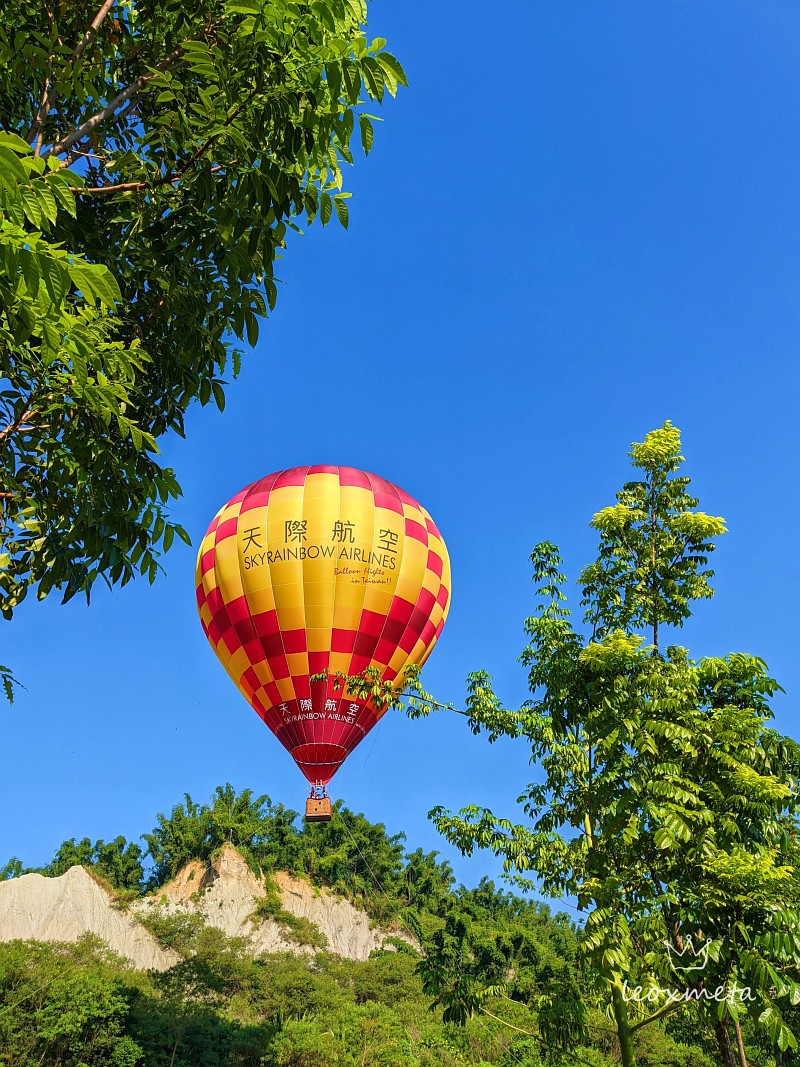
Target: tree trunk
[(726, 1056), (740, 1043), (623, 1027), (653, 563)]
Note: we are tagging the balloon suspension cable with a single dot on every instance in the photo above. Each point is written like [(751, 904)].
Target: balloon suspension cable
[(318, 791)]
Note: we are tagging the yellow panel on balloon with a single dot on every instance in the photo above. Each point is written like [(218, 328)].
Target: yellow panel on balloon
[(310, 568)]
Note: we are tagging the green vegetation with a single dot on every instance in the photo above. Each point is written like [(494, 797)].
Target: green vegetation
[(668, 805), (68, 1005), (667, 809), (499, 981), (153, 159), (296, 927), (118, 862), (349, 855), (177, 932)]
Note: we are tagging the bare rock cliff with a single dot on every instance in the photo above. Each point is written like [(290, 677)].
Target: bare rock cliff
[(63, 909), (224, 893)]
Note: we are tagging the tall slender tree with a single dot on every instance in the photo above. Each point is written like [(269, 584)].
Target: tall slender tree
[(668, 804)]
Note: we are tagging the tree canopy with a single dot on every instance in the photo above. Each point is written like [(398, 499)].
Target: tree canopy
[(668, 804), (76, 1004), (153, 158)]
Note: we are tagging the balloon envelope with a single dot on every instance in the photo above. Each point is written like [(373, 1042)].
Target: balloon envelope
[(319, 569)]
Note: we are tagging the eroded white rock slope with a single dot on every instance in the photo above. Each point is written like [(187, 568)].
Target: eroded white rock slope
[(224, 893), (36, 908)]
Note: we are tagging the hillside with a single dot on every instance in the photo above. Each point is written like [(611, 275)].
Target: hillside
[(33, 907), (223, 892), (241, 937)]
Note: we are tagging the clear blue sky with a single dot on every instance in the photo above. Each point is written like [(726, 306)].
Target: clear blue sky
[(580, 220)]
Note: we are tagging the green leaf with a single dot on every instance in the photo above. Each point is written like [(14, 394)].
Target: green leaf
[(391, 67), (333, 75), (243, 7), (31, 273), (373, 77), (32, 206), (17, 145), (48, 202), (351, 79), (95, 281), (10, 165), (367, 133), (56, 279), (341, 210), (63, 195)]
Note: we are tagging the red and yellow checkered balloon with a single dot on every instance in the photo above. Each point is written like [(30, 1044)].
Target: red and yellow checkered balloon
[(314, 570)]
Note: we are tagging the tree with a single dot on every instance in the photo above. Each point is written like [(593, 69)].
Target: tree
[(357, 858), (119, 861), (264, 833), (428, 880), (668, 805), (194, 986), (368, 1035), (153, 157), (64, 1005), (74, 1004), (492, 944), (13, 869)]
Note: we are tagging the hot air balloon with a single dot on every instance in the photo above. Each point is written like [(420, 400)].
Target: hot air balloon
[(319, 571)]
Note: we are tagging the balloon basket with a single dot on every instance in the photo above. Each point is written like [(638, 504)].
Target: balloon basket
[(318, 809), (318, 805)]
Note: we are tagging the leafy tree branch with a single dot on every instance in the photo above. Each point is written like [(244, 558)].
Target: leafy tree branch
[(153, 160), (668, 805)]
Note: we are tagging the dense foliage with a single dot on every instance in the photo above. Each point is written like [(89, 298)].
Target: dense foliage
[(153, 158), (668, 804), (515, 964)]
